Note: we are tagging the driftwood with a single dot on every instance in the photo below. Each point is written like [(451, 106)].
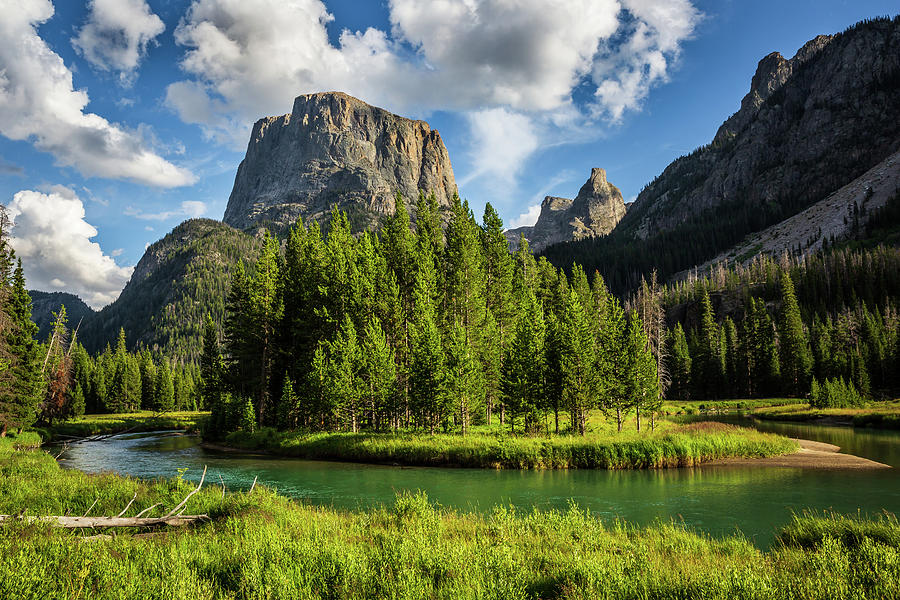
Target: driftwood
[(94, 522), (170, 519)]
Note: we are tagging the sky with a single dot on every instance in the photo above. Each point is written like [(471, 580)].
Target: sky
[(119, 119)]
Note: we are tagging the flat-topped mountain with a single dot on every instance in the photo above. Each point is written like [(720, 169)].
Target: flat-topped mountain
[(595, 211), (333, 150)]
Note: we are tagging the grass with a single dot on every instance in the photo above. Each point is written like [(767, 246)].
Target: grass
[(105, 424), (700, 407), (261, 545), (883, 415), (671, 446)]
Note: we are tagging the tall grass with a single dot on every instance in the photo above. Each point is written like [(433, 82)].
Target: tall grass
[(261, 545), (687, 445)]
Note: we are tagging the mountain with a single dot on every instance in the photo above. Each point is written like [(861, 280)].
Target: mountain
[(44, 304), (595, 211), (178, 280), (333, 150), (809, 126)]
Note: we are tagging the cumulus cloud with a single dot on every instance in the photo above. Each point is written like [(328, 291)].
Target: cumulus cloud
[(653, 32), (527, 218), (519, 60), (501, 141), (53, 240), (38, 102), (116, 35), (190, 209)]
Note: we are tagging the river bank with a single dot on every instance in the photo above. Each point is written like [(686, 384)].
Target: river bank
[(117, 423), (676, 446), (881, 415), (260, 545)]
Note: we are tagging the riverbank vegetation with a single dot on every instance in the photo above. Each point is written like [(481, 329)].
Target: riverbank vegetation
[(880, 415), (262, 545), (108, 424), (672, 446)]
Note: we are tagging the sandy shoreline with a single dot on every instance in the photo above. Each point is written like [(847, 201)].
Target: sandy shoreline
[(812, 455)]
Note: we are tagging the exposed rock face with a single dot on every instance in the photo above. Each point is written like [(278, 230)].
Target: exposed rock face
[(335, 150), (595, 211), (807, 127)]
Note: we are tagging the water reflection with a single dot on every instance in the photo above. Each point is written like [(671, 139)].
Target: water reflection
[(718, 500)]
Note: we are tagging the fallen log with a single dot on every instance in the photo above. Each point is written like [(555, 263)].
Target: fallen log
[(97, 522)]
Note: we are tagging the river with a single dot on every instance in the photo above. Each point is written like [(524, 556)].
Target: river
[(718, 500)]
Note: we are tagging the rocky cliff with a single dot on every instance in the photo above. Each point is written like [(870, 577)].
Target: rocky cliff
[(334, 150), (595, 211), (808, 126)]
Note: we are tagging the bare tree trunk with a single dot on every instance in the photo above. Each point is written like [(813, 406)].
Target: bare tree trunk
[(637, 410), (619, 419)]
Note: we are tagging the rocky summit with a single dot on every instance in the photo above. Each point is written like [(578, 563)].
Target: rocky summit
[(334, 150), (595, 211)]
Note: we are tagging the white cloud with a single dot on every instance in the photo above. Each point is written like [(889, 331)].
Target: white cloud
[(116, 35), (527, 218), (501, 141), (53, 240), (624, 73), (190, 209), (38, 102), (527, 55)]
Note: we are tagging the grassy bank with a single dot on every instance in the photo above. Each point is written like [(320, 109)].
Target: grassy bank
[(714, 407), (265, 546), (881, 415), (106, 424), (673, 446)]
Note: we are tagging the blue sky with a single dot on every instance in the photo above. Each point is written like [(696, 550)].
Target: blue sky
[(121, 118)]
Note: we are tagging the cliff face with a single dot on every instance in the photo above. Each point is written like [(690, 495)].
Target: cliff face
[(595, 211), (808, 126), (335, 150)]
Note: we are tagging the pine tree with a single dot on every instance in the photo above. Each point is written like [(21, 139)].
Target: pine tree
[(148, 381), (165, 388), (498, 268), (20, 368), (379, 375), (524, 366), (287, 405), (641, 382), (679, 364), (427, 388), (796, 357), (614, 363), (578, 356), (708, 372), (211, 367)]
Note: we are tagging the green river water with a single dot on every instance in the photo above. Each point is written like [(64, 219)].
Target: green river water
[(717, 500)]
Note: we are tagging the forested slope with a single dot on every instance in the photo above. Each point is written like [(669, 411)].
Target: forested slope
[(178, 280)]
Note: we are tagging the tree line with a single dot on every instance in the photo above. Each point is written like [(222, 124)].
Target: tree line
[(435, 327), (823, 326)]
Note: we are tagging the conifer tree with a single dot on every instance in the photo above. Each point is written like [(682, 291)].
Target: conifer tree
[(578, 362), (210, 365), (796, 358), (641, 383), (287, 405), (614, 363), (148, 380), (679, 364), (379, 375), (524, 366), (427, 388), (20, 368), (165, 388), (708, 367)]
